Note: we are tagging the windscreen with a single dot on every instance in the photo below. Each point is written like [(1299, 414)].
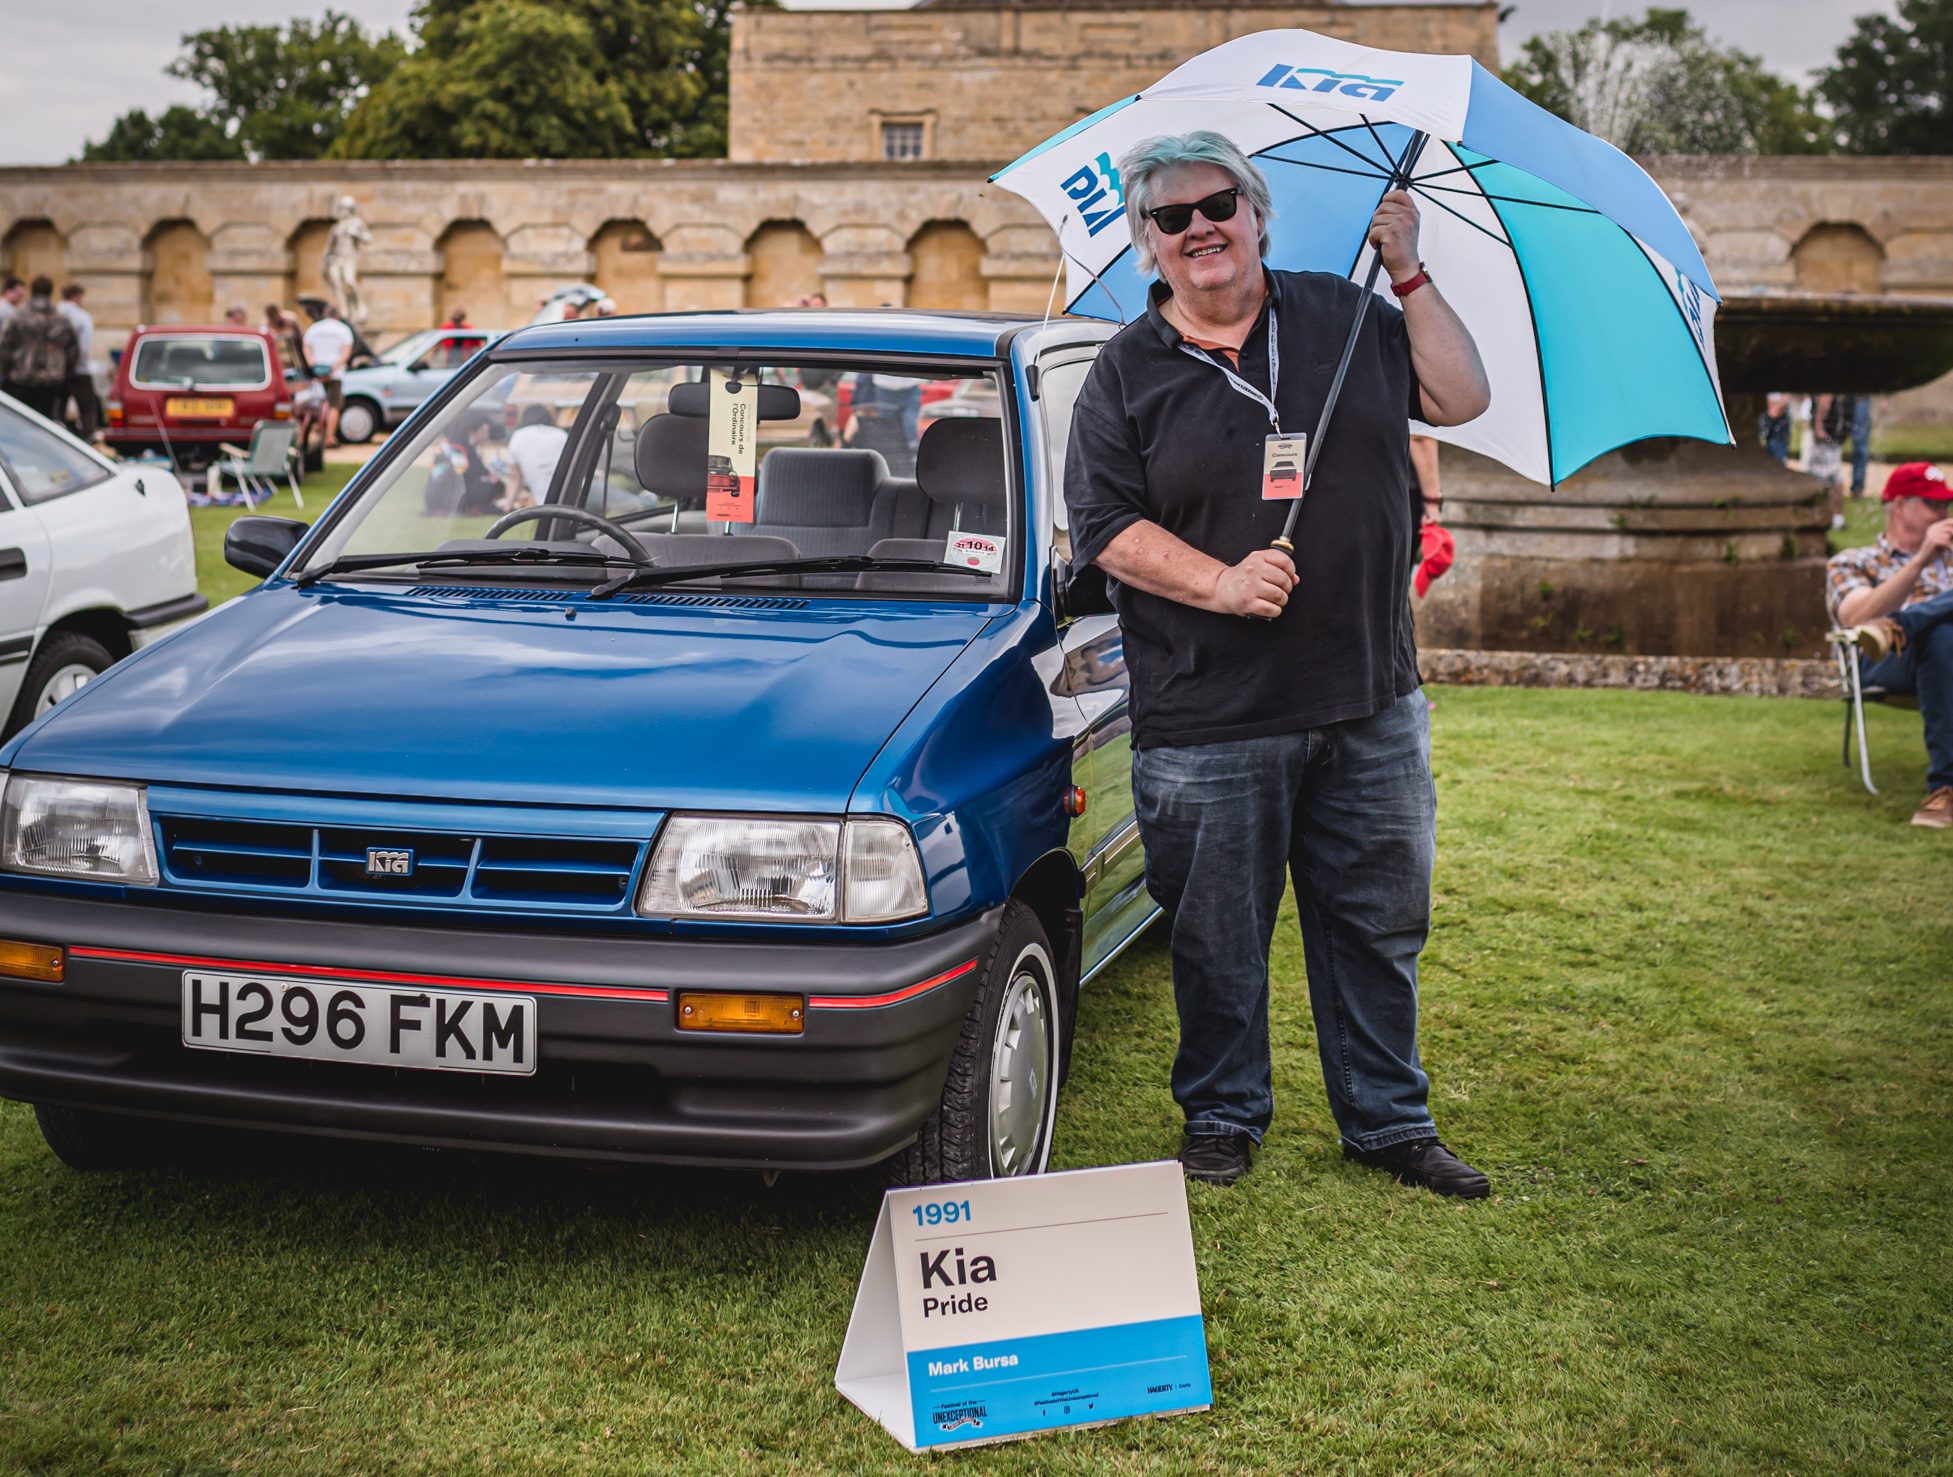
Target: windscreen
[(191, 363), (706, 465)]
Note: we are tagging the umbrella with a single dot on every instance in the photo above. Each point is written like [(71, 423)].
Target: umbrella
[(1590, 304)]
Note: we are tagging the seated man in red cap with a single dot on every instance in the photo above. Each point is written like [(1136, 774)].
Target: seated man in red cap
[(1896, 596)]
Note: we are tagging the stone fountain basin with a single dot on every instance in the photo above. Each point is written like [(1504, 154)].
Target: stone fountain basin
[(1859, 343)]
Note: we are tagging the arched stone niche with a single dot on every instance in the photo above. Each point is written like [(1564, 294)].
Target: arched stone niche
[(947, 269), (34, 249), (786, 265), (1836, 256), (306, 245), (471, 277), (626, 259), (176, 283)]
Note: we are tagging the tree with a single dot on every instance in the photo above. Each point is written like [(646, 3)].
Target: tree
[(478, 87), (505, 79), (178, 133), (272, 93), (1660, 86), (1891, 91), (286, 93)]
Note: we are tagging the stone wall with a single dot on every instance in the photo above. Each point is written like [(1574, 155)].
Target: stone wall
[(986, 84), (178, 243)]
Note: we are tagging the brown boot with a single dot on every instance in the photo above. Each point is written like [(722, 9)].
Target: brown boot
[(1879, 639), (1937, 812)]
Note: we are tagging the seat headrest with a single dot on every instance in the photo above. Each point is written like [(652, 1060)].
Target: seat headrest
[(962, 461), (670, 457), (800, 487)]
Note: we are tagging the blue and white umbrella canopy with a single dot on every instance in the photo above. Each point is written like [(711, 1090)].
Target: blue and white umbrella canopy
[(1588, 299)]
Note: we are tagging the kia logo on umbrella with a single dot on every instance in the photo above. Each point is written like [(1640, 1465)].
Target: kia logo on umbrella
[(1100, 196), (1319, 79)]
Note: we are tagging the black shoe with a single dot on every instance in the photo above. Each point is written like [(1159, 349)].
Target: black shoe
[(1428, 1163), (1217, 1158)]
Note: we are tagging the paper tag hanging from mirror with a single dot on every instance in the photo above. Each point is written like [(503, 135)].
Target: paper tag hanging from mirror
[(731, 447), (975, 551)]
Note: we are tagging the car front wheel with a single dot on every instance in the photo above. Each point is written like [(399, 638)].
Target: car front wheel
[(1000, 1103), (358, 420), (84, 1139), (67, 662)]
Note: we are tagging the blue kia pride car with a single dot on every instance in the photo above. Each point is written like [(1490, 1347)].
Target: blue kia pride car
[(532, 804)]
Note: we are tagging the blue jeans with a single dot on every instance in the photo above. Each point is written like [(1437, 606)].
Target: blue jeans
[(1861, 441), (1924, 669), (1349, 811)]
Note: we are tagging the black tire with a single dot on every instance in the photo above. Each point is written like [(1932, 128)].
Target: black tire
[(84, 1139), (313, 458), (363, 429), (956, 1142), (60, 652)]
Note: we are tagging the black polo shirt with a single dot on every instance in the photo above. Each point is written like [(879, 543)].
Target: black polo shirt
[(1161, 435)]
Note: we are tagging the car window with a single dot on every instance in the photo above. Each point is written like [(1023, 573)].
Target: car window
[(1058, 387), (41, 464), (173, 362), (448, 353), (886, 460)]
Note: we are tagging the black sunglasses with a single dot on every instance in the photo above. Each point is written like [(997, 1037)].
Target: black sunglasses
[(1171, 220)]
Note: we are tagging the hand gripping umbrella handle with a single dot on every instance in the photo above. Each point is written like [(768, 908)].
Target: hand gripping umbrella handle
[(1399, 177)]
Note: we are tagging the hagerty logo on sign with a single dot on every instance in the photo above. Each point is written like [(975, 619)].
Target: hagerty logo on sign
[(1006, 1307)]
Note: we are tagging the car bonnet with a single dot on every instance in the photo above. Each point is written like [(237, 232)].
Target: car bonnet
[(666, 700)]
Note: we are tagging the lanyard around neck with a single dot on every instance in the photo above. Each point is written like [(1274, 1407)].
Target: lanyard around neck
[(1241, 386)]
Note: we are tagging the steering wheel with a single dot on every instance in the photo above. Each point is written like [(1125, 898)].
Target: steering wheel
[(576, 515)]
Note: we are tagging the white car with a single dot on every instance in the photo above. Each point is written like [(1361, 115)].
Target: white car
[(96, 560)]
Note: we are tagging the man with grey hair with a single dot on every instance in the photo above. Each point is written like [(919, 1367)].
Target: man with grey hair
[(1277, 724)]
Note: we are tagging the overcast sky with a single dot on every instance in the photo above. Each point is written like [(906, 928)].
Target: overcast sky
[(72, 67)]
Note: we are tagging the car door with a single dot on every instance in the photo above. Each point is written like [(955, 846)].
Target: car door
[(1106, 839), (433, 367), (111, 536), (24, 569)]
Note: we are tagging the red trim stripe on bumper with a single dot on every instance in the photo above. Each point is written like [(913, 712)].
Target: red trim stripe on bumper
[(525, 987)]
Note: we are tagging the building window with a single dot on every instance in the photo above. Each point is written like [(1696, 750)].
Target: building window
[(902, 140)]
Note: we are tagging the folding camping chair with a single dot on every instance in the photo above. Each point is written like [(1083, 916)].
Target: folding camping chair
[(1844, 646), (258, 471)]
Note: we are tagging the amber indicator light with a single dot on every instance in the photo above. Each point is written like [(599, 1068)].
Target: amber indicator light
[(780, 1015), (32, 961), (1074, 802)]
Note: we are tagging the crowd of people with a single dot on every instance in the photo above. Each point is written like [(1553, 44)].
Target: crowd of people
[(1829, 421), (47, 352)]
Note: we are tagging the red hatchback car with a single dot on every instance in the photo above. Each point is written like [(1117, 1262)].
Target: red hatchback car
[(186, 391)]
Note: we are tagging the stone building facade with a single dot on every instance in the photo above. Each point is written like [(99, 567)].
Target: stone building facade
[(808, 203)]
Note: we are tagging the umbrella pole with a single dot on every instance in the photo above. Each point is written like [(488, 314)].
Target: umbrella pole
[(1399, 178)]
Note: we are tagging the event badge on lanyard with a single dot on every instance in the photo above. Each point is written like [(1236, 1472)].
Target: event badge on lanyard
[(1283, 458)]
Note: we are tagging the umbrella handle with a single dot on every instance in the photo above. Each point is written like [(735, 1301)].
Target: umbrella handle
[(1399, 177)]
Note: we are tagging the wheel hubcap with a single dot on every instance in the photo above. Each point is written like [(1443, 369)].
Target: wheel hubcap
[(65, 683), (1020, 1077)]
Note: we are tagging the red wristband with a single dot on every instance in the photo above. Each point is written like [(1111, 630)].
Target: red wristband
[(1411, 284)]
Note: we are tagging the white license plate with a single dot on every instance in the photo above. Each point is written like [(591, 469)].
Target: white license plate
[(383, 1025)]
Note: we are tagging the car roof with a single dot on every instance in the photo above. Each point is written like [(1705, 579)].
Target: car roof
[(883, 330), (192, 330)]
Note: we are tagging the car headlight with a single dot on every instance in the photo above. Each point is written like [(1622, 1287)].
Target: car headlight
[(76, 828), (724, 866)]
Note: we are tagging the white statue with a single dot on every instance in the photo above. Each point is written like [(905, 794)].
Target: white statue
[(340, 264)]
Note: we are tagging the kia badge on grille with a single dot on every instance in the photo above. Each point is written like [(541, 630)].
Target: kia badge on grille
[(382, 862)]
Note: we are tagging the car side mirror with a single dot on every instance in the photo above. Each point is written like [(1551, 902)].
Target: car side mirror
[(1078, 590), (259, 545)]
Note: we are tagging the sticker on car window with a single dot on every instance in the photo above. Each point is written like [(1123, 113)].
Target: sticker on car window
[(730, 450), (975, 551)]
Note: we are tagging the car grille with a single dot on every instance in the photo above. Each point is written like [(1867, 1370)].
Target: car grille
[(450, 868)]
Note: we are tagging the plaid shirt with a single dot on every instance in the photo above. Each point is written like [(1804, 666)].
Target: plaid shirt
[(1874, 564)]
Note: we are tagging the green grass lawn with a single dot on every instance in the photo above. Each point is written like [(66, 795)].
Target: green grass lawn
[(1687, 1001)]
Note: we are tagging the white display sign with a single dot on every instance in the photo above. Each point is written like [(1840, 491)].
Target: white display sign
[(1004, 1307)]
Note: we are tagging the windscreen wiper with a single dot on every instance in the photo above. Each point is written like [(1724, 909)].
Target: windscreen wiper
[(671, 574), (515, 554)]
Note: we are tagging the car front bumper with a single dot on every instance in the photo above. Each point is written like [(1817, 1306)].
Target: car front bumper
[(615, 1077)]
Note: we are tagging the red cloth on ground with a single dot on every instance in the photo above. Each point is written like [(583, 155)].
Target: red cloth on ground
[(1438, 549)]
